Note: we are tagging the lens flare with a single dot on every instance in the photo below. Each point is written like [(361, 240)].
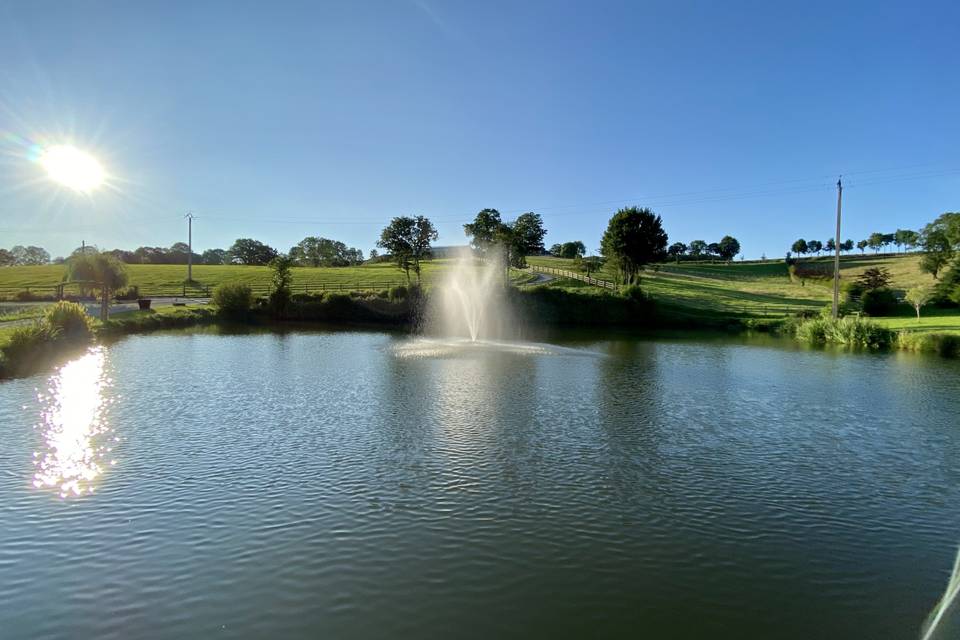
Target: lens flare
[(72, 167)]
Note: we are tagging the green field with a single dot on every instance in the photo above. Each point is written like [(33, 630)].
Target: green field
[(169, 279), (762, 289), (738, 289)]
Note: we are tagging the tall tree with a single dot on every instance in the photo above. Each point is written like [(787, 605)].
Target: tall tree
[(571, 250), (875, 241), (847, 245), (396, 240), (249, 251), (30, 256), (814, 246), (729, 247), (697, 248), (940, 241), (633, 239), (484, 229), (214, 256), (862, 244), (800, 247), (528, 233), (423, 234), (830, 245), (676, 250)]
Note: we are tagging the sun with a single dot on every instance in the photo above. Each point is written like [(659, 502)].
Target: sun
[(72, 167)]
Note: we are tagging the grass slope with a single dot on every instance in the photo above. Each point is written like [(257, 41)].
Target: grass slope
[(760, 289)]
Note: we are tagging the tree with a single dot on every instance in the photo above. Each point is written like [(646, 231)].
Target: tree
[(847, 245), (555, 250), (875, 241), (423, 234), (830, 245), (918, 297), (729, 247), (214, 256), (7, 259), (105, 272), (396, 239), (30, 256), (528, 233), (676, 250), (862, 244), (633, 239), (940, 241), (280, 285), (249, 251), (484, 230), (374, 255), (713, 249), (800, 247), (571, 250), (814, 246), (697, 248), (874, 278)]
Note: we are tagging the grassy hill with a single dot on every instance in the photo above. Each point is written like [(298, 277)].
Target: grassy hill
[(762, 289), (738, 289)]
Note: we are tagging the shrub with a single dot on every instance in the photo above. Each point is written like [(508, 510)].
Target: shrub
[(29, 296), (25, 340), (634, 293), (233, 300), (879, 302), (70, 320), (849, 331), (130, 293), (397, 293), (944, 344)]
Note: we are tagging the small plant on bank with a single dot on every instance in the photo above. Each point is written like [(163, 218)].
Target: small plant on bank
[(70, 320), (849, 331), (233, 300)]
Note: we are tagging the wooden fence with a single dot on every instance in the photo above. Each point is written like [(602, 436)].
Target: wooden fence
[(596, 282)]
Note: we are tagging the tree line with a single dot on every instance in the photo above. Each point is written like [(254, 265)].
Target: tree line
[(726, 249), (905, 239)]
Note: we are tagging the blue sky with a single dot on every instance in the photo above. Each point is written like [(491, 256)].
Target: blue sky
[(278, 120)]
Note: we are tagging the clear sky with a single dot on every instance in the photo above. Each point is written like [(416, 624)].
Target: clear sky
[(278, 120)]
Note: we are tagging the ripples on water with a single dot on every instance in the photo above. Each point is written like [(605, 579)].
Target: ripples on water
[(360, 485)]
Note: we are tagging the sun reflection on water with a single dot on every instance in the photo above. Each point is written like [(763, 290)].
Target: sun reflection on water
[(75, 433)]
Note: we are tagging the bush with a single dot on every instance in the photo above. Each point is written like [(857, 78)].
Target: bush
[(26, 340), (849, 331), (944, 344), (130, 293), (233, 300), (397, 293), (879, 302), (634, 293), (29, 296), (70, 320)]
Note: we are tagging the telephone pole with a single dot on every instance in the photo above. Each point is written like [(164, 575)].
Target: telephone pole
[(189, 218), (836, 257)]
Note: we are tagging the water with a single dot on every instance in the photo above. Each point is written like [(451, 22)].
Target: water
[(470, 301), (311, 485)]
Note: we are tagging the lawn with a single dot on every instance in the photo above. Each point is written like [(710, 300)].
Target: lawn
[(760, 288), (162, 279)]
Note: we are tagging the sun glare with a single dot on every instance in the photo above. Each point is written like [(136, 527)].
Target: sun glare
[(72, 167)]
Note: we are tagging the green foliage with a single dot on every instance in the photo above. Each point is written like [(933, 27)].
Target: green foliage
[(397, 293), (799, 247), (944, 344), (634, 293), (874, 278), (233, 300), (408, 240), (130, 293), (483, 230), (569, 250), (323, 252), (70, 321), (280, 285), (250, 251), (849, 331), (918, 297), (879, 302), (633, 239), (728, 247), (27, 344)]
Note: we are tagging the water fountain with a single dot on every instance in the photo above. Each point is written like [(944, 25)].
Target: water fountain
[(469, 313)]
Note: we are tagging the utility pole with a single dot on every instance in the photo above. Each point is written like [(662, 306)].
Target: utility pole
[(836, 257), (189, 218)]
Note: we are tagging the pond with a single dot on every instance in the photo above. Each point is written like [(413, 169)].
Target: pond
[(356, 484)]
